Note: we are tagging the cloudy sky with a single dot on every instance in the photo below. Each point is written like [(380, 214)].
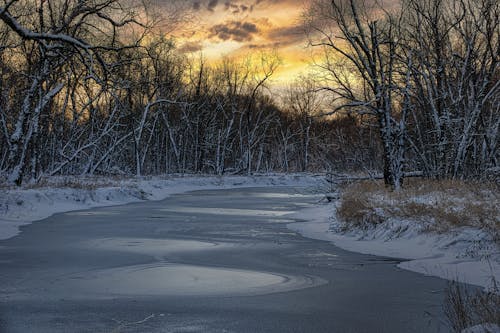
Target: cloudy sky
[(240, 27)]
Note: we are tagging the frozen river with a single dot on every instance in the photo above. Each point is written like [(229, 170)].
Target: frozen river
[(204, 261)]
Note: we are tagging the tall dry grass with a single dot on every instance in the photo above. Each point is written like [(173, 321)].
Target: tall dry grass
[(465, 308), (442, 204)]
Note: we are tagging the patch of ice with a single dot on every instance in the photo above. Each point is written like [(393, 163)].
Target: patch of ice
[(176, 280), (154, 247)]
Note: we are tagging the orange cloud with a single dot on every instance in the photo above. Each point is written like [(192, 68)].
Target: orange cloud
[(237, 28)]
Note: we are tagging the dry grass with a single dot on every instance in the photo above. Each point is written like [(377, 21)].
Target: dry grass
[(441, 204), (465, 308), (84, 183), (358, 211), (68, 182)]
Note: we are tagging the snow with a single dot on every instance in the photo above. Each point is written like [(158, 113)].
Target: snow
[(484, 328), (21, 206), (465, 254)]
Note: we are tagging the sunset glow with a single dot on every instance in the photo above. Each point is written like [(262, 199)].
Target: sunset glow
[(245, 27)]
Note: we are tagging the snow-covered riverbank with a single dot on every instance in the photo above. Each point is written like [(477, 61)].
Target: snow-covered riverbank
[(20, 206), (466, 254)]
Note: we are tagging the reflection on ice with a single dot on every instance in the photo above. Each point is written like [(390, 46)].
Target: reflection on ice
[(182, 280), (285, 195), (92, 213), (227, 211), (151, 246)]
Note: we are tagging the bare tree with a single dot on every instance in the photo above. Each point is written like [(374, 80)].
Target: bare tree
[(305, 101), (254, 117), (455, 47), (57, 33), (360, 60)]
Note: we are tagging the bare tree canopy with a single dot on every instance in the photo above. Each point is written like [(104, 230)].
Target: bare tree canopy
[(101, 87), (426, 72)]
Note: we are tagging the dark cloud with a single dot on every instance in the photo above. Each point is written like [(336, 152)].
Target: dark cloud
[(191, 47), (237, 6), (264, 46), (235, 30), (280, 37), (212, 4), (264, 2), (286, 35), (208, 4)]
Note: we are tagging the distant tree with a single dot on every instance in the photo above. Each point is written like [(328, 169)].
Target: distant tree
[(304, 101), (255, 120)]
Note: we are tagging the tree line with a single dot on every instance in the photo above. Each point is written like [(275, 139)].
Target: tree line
[(92, 87), (427, 73), (88, 87)]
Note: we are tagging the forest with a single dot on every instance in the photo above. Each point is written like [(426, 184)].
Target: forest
[(100, 88)]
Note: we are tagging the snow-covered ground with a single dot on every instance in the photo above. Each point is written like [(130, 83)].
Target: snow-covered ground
[(484, 328), (465, 254), (20, 206)]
